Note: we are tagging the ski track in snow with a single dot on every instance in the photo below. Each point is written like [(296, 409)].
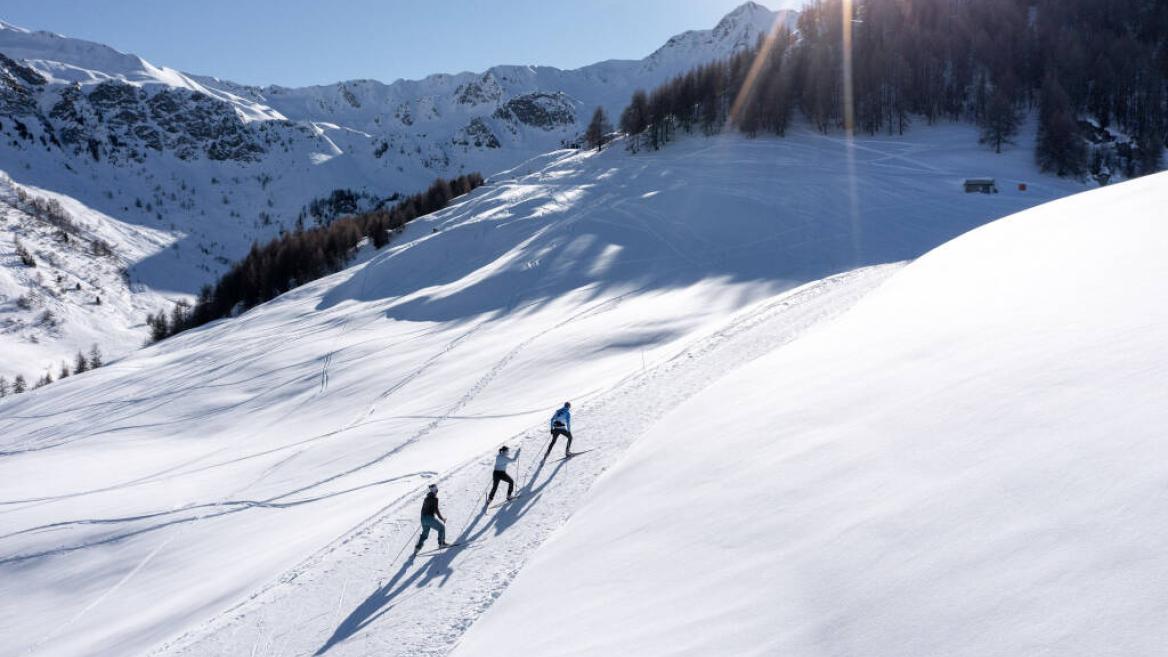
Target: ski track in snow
[(364, 594)]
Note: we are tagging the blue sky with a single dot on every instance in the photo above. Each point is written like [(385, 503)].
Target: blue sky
[(299, 42)]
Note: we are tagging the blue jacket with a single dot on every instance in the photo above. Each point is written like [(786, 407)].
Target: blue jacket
[(563, 416)]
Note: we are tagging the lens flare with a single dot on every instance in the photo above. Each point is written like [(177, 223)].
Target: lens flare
[(849, 116), (764, 51)]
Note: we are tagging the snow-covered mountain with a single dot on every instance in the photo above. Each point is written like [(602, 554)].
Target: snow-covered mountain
[(63, 283), (214, 166), (251, 487)]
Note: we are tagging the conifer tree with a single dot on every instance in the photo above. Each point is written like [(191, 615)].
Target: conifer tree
[(598, 129), (635, 118), (179, 316), (80, 364), (159, 327), (95, 357), (1060, 148), (999, 122), (18, 384)]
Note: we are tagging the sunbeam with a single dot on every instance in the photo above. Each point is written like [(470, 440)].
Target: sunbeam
[(748, 85)]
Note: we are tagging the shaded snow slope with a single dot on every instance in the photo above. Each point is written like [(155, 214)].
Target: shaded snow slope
[(218, 463), (969, 462)]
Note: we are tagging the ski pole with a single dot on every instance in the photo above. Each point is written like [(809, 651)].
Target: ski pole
[(407, 544), (518, 462), (527, 475)]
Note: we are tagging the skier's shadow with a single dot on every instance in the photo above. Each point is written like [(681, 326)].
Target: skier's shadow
[(529, 494), (381, 601), (438, 566)]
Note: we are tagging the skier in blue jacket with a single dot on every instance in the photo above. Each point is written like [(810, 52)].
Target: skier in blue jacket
[(561, 425)]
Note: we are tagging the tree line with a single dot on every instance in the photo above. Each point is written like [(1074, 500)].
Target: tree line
[(1095, 70), (83, 363), (301, 256)]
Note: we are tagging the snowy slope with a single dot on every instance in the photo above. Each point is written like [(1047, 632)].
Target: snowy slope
[(75, 295), (970, 462), (242, 464)]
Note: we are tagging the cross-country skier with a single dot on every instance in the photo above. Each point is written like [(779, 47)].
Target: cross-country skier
[(561, 425), (432, 518), (502, 460)]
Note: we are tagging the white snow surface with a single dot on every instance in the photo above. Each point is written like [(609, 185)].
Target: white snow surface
[(209, 495), (969, 462)]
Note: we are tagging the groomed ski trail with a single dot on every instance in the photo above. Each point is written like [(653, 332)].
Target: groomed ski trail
[(365, 594)]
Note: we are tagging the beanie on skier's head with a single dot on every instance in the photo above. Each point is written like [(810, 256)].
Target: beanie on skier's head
[(433, 488), (503, 448), (567, 404)]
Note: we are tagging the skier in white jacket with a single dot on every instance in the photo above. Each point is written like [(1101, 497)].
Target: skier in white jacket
[(502, 460)]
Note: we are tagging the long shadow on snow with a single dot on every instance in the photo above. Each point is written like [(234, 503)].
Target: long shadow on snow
[(529, 494), (601, 242), (225, 508), (438, 567)]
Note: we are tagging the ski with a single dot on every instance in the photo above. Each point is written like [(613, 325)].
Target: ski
[(512, 499), (437, 550), (583, 451)]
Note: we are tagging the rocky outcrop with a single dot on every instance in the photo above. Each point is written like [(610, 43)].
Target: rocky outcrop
[(18, 87), (547, 111), (120, 121), (477, 134)]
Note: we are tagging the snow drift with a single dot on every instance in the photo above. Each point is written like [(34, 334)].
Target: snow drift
[(969, 462)]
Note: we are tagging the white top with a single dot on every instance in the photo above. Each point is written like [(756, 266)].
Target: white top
[(502, 460)]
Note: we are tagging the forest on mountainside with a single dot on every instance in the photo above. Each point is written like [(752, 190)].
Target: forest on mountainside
[(304, 255), (1092, 73)]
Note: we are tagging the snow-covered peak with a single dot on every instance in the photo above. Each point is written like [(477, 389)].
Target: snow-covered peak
[(67, 59), (5, 27), (748, 13), (738, 30)]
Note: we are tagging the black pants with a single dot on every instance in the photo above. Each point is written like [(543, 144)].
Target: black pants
[(557, 433), (501, 476)]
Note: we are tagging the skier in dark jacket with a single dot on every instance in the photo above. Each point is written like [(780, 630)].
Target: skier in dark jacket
[(561, 425), (502, 460), (432, 518)]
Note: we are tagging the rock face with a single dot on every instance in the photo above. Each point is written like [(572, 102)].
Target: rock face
[(120, 122), (18, 85), (477, 133), (546, 111)]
